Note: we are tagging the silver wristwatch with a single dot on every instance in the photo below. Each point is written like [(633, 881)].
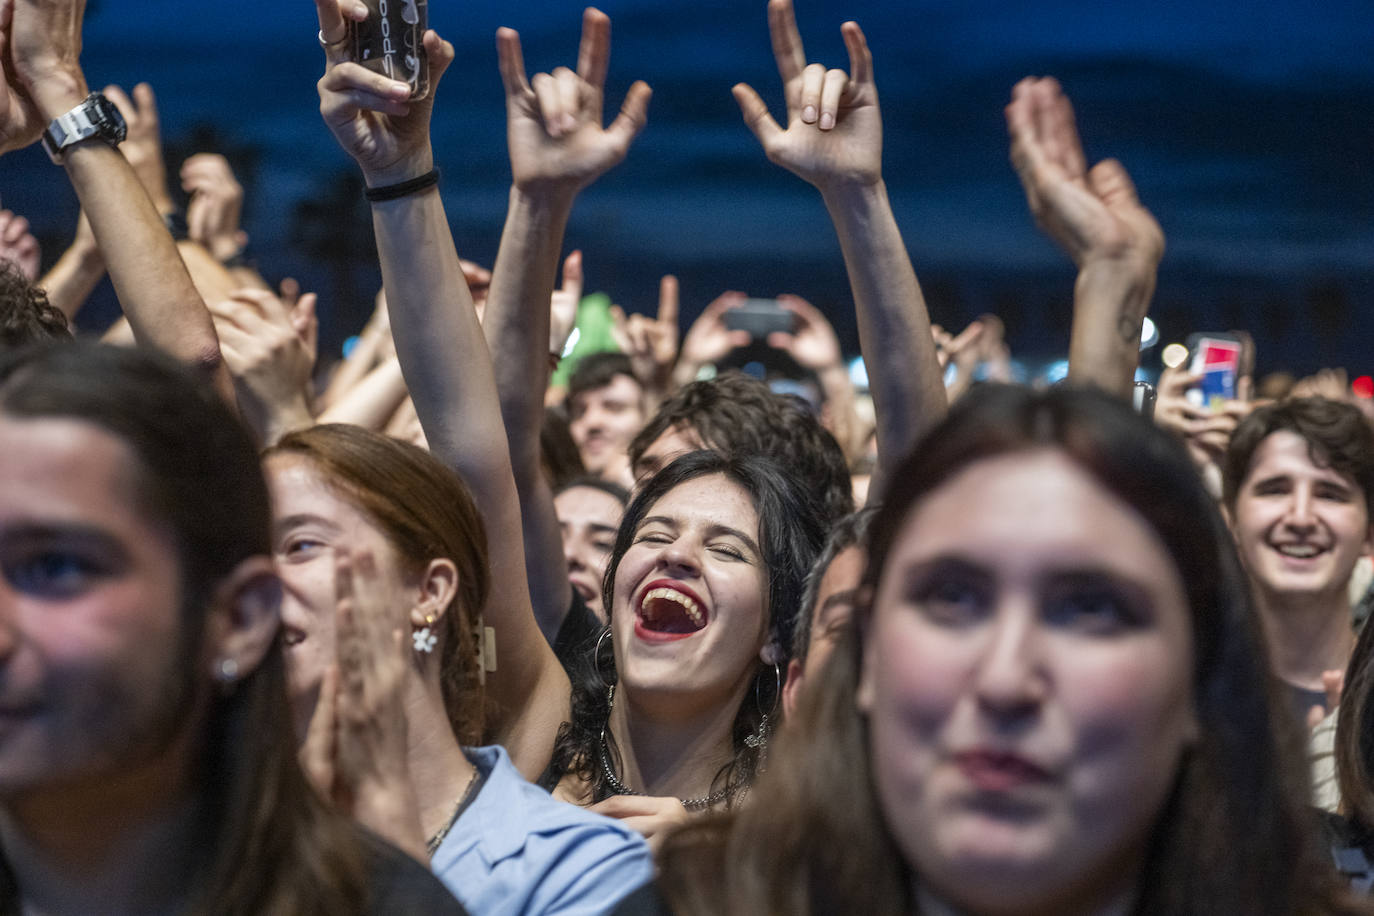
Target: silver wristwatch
[(97, 116)]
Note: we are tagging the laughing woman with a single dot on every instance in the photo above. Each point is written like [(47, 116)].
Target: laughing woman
[(710, 559)]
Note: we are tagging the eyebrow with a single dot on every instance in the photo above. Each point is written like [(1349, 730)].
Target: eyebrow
[(282, 525), (597, 526), (714, 528), (844, 596), (1053, 576), (66, 532)]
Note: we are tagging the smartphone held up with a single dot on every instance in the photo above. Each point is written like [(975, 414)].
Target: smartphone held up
[(391, 42)]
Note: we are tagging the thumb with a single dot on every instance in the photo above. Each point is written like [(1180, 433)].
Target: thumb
[(756, 115), (634, 113)]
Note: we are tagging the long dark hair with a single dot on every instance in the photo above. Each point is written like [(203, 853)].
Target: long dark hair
[(271, 845), (791, 533), (814, 839), (425, 511), (1354, 748)]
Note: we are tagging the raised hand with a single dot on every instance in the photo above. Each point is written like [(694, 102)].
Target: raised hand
[(20, 123), (651, 343), (369, 114), (708, 339), (554, 122), (17, 244), (812, 341), (1091, 213), (42, 59), (212, 216), (834, 133), (143, 144), (268, 349)]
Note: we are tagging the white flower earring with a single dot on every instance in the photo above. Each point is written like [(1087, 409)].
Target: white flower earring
[(424, 638)]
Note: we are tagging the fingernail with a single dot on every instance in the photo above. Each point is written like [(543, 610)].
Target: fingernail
[(827, 121), (401, 90), (809, 113), (360, 11)]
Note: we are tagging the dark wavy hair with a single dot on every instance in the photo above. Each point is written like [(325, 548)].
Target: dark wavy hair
[(271, 845), (1337, 434), (425, 511), (1235, 835), (740, 415), (26, 316), (791, 531)]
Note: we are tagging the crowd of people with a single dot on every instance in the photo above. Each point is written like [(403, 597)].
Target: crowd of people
[(425, 630)]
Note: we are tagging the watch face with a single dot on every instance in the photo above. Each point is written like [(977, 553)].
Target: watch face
[(111, 122)]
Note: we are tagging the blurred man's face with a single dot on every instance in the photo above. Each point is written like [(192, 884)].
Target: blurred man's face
[(603, 422)]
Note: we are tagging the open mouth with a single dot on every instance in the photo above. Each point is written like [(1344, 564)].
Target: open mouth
[(668, 610), (1299, 551)]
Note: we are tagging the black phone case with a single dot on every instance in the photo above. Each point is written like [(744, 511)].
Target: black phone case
[(390, 41), (760, 317)]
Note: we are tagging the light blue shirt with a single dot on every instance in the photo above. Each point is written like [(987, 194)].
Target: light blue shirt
[(516, 851)]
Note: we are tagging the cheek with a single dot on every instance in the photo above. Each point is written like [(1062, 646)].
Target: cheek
[(916, 675), (1132, 716)]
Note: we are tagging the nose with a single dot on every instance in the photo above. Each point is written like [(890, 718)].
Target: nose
[(1300, 517), (1011, 681), (681, 558), (572, 551)]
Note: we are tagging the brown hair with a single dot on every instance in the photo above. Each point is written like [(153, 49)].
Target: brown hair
[(271, 845), (1354, 748), (1337, 434), (425, 511), (814, 838)]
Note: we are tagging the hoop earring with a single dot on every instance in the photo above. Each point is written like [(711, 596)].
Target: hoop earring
[(759, 739), (596, 660)]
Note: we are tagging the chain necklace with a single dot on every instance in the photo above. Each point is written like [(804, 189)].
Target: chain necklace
[(432, 845), (619, 788)]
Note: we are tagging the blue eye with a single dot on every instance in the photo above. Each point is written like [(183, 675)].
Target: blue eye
[(52, 574), (301, 548), (1099, 611), (951, 601)]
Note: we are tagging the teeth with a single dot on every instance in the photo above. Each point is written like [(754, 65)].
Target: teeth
[(1298, 551), (687, 604)]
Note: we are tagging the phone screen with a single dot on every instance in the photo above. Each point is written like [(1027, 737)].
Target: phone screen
[(1217, 361)]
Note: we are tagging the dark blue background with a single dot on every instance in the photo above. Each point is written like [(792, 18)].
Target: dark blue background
[(1248, 128)]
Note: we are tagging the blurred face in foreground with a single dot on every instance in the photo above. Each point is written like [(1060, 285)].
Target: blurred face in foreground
[(1028, 684), (98, 689)]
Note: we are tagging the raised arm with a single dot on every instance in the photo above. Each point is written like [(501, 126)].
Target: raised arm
[(833, 140), (1096, 217), (557, 146), (446, 365), (163, 307)]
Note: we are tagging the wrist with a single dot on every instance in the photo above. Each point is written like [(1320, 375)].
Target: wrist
[(57, 93), (411, 167), (542, 204), (853, 192)]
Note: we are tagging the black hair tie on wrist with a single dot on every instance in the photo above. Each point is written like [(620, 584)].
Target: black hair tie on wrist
[(403, 188)]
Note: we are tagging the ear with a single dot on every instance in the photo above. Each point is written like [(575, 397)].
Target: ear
[(1367, 548), (438, 584), (771, 653), (791, 691), (244, 618)]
